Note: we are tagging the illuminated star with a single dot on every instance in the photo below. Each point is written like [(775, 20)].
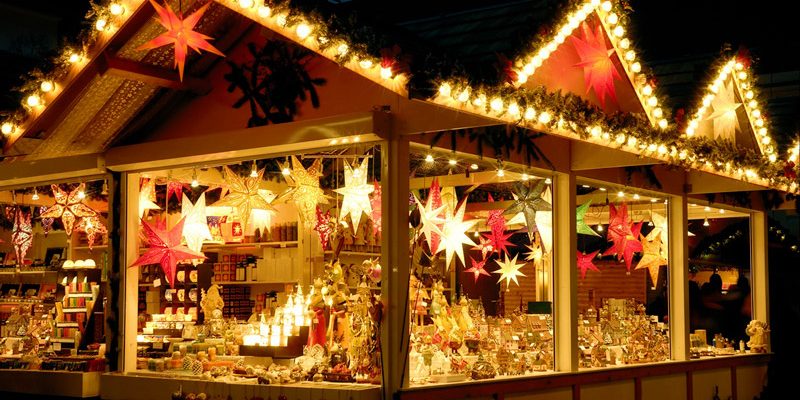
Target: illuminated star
[(544, 222), (262, 219), (305, 191), (92, 227), (509, 270), (585, 262), (21, 235), (165, 249), (724, 117), (430, 221), (47, 223), (499, 243), (195, 225), (477, 269), (623, 233), (535, 254), (660, 226), (147, 195), (243, 195), (485, 246), (323, 227), (174, 188), (651, 255), (528, 200), (68, 207), (181, 33), (454, 235), (583, 228), (355, 192), (599, 71), (375, 201)]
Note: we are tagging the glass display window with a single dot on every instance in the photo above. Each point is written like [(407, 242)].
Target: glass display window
[(481, 245)]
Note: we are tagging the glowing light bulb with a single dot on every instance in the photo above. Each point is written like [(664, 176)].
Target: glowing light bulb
[(513, 109), (606, 6), (647, 90), (620, 194), (101, 24), (74, 57), (501, 172), (525, 176), (636, 196), (621, 138), (749, 94), (386, 72), (474, 167), (742, 75), (303, 30), (602, 189), (652, 101), (636, 67), (254, 171), (625, 43), (35, 195), (7, 128), (548, 181), (612, 18), (81, 194), (281, 20), (658, 113), (662, 124), (264, 11), (46, 86), (619, 31), (116, 9), (530, 114), (721, 211), (286, 171), (452, 161), (463, 96), (630, 55), (194, 183), (496, 104), (342, 50), (654, 200), (544, 117), (33, 101), (445, 89), (366, 64), (599, 227), (705, 222), (246, 3), (429, 158)]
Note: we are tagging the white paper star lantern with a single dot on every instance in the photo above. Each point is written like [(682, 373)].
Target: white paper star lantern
[(454, 235), (356, 192), (195, 226)]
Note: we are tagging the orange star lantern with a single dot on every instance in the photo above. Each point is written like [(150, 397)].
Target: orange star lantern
[(181, 33)]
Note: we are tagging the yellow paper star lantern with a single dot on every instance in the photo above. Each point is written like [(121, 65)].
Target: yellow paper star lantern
[(454, 235), (243, 195), (535, 254), (356, 192), (195, 226), (262, 219), (509, 271), (146, 196), (305, 191), (651, 255)]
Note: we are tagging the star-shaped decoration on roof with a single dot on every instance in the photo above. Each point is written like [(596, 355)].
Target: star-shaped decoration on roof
[(477, 269), (376, 214), (165, 249), (724, 117), (93, 228), (305, 192), (509, 271), (599, 71), (454, 235), (528, 200), (623, 233), (323, 227), (21, 235), (583, 228), (355, 192), (68, 207), (651, 255), (180, 32), (243, 195), (586, 262), (147, 197), (195, 224)]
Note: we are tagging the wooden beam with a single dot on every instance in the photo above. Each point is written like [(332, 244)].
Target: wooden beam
[(475, 178), (704, 182), (151, 74), (587, 156), (22, 173), (78, 78)]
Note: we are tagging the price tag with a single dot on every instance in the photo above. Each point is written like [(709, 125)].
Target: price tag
[(57, 346), (157, 282), (158, 345)]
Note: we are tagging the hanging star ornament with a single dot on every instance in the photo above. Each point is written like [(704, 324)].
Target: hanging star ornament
[(660, 226), (498, 243), (174, 188), (430, 221), (195, 223), (147, 196), (180, 32), (586, 262), (323, 227), (623, 233), (21, 235), (477, 269), (434, 201), (262, 219), (305, 192), (724, 118), (454, 235), (47, 223), (651, 255), (484, 246), (165, 249), (509, 271), (528, 200), (375, 215), (243, 195), (580, 214), (68, 207), (544, 222), (535, 254), (599, 71), (93, 228), (356, 190)]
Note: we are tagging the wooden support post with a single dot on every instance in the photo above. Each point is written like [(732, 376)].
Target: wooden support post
[(129, 284), (759, 272), (678, 277), (395, 258), (565, 275)]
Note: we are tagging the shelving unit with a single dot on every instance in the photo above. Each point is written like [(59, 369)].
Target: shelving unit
[(216, 246)]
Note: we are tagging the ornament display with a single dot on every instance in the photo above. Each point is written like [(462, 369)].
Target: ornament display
[(527, 201), (21, 235), (599, 71), (586, 262), (454, 235), (164, 248), (180, 33), (68, 207), (509, 270), (195, 223), (243, 195), (477, 269), (355, 192), (580, 215), (304, 189)]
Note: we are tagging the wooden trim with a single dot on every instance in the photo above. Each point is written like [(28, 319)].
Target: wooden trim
[(489, 388), (734, 390), (637, 388), (151, 74), (576, 392), (689, 385)]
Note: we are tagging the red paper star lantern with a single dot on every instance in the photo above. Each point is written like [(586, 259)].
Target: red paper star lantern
[(323, 227), (499, 241), (435, 201), (166, 250), (599, 71), (586, 262), (181, 33), (21, 235), (484, 246), (623, 234), (175, 188), (477, 269), (47, 223)]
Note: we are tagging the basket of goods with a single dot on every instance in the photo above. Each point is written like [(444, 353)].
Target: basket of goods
[(339, 373)]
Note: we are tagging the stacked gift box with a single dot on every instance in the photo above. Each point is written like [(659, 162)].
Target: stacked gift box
[(237, 302)]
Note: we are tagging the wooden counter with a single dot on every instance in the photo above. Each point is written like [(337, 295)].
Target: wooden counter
[(53, 383)]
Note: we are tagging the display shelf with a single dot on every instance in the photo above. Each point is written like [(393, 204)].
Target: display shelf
[(67, 325), (102, 246), (73, 310), (79, 295), (355, 253), (62, 340), (255, 282), (212, 246)]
